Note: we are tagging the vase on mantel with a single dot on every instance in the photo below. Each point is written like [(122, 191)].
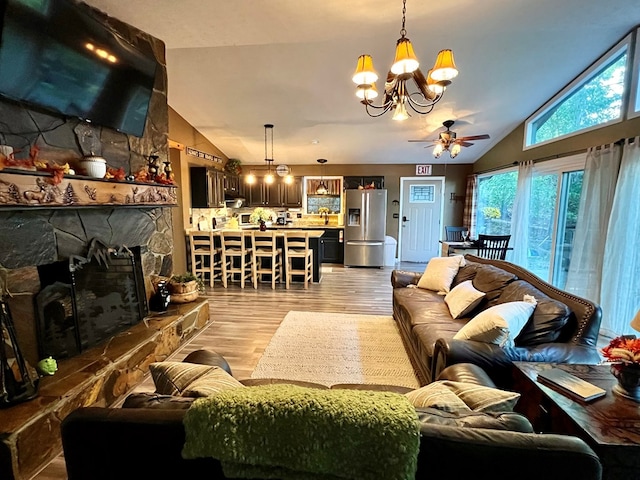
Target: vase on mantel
[(628, 376)]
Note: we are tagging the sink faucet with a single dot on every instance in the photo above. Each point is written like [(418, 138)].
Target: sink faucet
[(326, 218)]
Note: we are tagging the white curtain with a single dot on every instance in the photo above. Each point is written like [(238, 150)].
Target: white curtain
[(620, 293), (520, 216), (598, 187)]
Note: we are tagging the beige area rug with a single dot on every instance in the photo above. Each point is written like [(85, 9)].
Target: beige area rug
[(331, 348)]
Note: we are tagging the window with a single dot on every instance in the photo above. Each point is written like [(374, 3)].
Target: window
[(596, 98), (422, 193), (553, 211), (496, 193), (634, 100)]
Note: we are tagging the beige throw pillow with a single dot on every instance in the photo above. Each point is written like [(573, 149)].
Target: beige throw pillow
[(463, 298), (483, 399), (500, 324), (190, 379), (439, 273), (437, 395)]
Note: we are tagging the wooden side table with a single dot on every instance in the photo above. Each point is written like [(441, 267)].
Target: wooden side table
[(610, 424)]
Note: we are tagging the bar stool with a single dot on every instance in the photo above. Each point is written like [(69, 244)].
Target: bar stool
[(265, 248), (206, 258), (296, 246), (236, 256)]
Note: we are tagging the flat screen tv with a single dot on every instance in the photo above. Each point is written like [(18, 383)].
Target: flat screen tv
[(55, 55)]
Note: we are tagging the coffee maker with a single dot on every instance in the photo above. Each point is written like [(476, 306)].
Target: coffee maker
[(282, 218)]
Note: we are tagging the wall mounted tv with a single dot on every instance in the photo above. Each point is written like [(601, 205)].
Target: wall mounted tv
[(55, 55)]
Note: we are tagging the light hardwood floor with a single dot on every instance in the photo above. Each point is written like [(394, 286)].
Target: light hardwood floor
[(244, 320)]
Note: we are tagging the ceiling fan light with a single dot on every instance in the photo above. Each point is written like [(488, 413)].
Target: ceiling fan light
[(437, 151), (406, 60), (445, 67), (455, 150), (367, 92), (400, 112), (365, 74)]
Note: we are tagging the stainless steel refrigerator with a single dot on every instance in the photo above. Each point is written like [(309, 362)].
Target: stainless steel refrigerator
[(365, 228)]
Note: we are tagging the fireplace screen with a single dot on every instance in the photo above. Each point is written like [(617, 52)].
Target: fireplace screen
[(85, 302)]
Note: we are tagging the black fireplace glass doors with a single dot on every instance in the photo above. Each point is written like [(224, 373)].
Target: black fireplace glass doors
[(83, 308)]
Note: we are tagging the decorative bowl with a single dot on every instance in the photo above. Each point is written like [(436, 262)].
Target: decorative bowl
[(95, 167)]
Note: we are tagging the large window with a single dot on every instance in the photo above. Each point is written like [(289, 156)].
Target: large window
[(553, 210), (594, 99)]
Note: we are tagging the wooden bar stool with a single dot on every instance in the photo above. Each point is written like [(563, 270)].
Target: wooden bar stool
[(296, 246), (206, 258), (267, 257), (236, 257)]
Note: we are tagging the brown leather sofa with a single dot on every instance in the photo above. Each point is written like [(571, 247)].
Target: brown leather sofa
[(564, 328), (145, 438)]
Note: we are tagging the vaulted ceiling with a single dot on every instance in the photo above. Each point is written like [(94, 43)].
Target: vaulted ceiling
[(235, 65)]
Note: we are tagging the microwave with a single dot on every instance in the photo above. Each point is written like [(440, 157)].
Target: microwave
[(243, 219)]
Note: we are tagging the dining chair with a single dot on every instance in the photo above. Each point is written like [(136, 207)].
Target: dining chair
[(493, 246), (456, 234), (298, 254), (267, 257), (206, 257), (237, 257)]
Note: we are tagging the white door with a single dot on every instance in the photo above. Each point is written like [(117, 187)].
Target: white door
[(420, 218)]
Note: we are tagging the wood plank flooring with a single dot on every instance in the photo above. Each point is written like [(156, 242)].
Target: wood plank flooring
[(244, 320)]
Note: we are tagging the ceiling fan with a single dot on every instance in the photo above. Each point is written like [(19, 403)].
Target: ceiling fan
[(447, 141)]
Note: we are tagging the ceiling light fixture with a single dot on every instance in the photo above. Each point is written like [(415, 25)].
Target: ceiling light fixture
[(322, 188), (405, 66), (269, 178)]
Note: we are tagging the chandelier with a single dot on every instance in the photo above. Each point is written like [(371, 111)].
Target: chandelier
[(397, 94), (269, 178), (322, 187)]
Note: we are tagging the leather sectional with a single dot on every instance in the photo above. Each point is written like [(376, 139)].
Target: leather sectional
[(564, 328)]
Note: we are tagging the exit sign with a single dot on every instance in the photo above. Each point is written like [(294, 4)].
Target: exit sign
[(423, 169)]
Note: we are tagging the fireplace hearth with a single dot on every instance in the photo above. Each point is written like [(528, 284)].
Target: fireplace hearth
[(88, 300)]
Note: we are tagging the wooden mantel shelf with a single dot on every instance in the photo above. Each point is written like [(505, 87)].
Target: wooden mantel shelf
[(21, 190)]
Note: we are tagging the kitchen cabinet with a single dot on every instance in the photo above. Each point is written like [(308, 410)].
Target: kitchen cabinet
[(354, 182), (264, 195), (332, 246), (232, 184), (207, 187), (292, 193)]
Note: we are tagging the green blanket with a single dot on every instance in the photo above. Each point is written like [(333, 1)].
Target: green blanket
[(287, 431)]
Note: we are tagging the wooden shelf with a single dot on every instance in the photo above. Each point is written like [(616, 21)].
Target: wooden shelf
[(26, 190)]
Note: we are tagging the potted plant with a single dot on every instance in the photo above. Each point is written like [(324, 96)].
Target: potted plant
[(185, 288)]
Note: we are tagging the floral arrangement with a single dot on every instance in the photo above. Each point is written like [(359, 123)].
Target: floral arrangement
[(322, 210), (623, 349), (260, 214)]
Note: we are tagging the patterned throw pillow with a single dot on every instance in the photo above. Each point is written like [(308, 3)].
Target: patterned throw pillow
[(439, 273), (437, 395), (483, 399), (190, 380), (463, 298)]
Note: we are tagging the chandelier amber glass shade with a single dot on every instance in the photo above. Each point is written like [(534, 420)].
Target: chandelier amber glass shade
[(365, 74), (406, 60), (445, 67), (367, 92)]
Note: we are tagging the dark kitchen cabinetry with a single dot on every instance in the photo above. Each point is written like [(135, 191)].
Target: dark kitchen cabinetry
[(207, 187), (352, 183), (232, 185), (264, 195), (292, 193), (332, 246)]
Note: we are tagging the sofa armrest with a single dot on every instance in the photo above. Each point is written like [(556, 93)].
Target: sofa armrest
[(402, 278), (490, 358), (102, 443), (503, 455)]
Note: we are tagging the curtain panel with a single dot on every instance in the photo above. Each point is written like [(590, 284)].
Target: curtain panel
[(470, 205)]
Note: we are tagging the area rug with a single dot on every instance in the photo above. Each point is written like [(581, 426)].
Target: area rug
[(332, 348)]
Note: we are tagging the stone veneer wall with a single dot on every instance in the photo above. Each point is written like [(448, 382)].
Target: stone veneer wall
[(34, 237)]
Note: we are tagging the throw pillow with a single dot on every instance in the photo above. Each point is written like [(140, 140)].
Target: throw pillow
[(483, 399), (463, 298), (439, 273), (500, 324), (439, 396), (190, 380)]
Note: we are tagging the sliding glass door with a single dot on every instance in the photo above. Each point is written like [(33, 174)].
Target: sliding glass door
[(553, 210)]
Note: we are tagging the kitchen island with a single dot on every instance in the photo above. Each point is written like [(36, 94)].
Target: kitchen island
[(314, 243)]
